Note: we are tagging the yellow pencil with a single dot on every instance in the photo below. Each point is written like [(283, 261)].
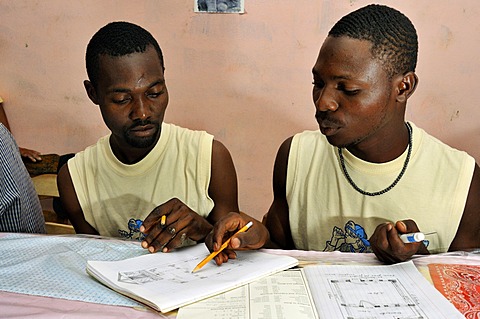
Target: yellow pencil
[(224, 245), (163, 221)]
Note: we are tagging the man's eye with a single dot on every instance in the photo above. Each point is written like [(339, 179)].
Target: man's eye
[(351, 92), (154, 95), (120, 101), (348, 91)]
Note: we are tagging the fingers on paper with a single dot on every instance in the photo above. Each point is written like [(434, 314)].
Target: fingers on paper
[(163, 224), (224, 256), (169, 237)]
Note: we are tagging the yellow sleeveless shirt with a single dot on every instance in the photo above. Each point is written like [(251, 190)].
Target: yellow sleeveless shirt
[(326, 213), (116, 198)]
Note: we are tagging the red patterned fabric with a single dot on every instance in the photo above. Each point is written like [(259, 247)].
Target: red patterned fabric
[(460, 284)]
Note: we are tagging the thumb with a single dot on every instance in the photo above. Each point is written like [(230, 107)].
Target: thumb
[(235, 243), (247, 240), (401, 227), (406, 226)]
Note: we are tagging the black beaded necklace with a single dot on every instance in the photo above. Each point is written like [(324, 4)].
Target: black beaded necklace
[(383, 191)]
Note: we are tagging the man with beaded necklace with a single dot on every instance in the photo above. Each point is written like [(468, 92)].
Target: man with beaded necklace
[(367, 176)]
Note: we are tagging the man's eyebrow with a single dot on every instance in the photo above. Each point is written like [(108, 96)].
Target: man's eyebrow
[(342, 77), (118, 90), (162, 82), (122, 90), (335, 77)]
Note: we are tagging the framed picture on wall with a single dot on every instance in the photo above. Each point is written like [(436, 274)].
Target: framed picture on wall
[(219, 6)]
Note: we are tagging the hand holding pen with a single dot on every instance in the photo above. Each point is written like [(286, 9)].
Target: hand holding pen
[(412, 237), (397, 242)]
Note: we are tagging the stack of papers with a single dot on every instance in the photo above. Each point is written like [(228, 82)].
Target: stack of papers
[(332, 292), (164, 281)]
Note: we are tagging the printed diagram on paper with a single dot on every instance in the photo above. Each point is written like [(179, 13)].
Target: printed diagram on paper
[(370, 296), (179, 272)]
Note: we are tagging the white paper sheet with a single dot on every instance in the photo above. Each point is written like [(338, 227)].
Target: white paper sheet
[(283, 295), (165, 281), (359, 292)]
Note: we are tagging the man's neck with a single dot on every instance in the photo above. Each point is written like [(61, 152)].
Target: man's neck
[(384, 149), (127, 154)]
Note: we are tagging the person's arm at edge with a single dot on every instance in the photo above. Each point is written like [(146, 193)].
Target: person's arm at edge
[(24, 152), (277, 218), (468, 232), (69, 200), (258, 236), (3, 117), (223, 188)]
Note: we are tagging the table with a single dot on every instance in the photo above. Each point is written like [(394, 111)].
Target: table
[(57, 263), (66, 255)]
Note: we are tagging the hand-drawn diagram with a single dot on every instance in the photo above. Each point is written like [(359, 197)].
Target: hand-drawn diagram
[(357, 291), (362, 297), (180, 272)]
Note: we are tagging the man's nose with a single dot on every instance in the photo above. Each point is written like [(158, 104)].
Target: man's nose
[(325, 101), (140, 109)]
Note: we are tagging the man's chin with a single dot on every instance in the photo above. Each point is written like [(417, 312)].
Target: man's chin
[(142, 142), (334, 141)]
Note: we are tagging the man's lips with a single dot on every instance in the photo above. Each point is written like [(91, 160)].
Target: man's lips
[(142, 129), (328, 127)]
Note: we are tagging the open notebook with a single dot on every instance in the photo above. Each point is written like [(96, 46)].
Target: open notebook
[(164, 281)]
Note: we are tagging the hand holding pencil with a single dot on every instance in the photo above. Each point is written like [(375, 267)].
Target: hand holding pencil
[(224, 245), (256, 236)]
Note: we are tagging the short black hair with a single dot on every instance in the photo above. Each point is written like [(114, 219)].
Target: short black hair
[(393, 36), (117, 39)]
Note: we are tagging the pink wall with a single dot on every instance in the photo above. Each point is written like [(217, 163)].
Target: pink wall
[(244, 78)]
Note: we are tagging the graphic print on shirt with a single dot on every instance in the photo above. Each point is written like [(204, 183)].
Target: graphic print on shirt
[(133, 232), (353, 239)]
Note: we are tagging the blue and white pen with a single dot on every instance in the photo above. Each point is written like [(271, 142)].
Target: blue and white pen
[(412, 237)]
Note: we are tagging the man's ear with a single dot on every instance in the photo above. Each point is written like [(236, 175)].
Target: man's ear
[(406, 86), (91, 92)]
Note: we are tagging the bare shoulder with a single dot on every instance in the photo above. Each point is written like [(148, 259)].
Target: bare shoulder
[(67, 192), (223, 188), (70, 202), (221, 159), (219, 151), (280, 167), (277, 218), (63, 178)]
